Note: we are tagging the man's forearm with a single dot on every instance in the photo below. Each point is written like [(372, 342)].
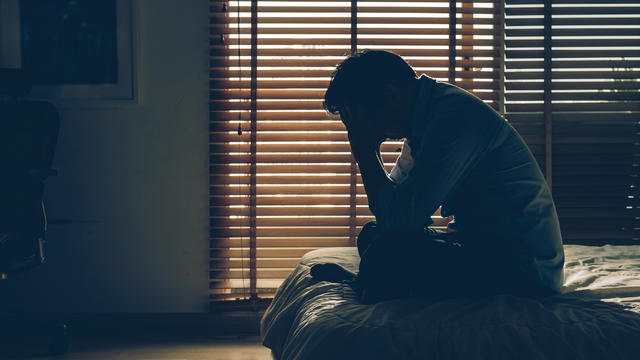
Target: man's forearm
[(372, 170)]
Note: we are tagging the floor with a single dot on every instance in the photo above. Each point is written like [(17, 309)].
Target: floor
[(156, 348)]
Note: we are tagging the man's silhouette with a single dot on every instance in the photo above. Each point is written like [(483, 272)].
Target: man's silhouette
[(460, 154)]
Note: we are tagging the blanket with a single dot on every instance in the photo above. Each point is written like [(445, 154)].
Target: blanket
[(597, 317)]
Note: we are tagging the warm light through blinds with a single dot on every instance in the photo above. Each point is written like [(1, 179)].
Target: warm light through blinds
[(286, 185), (302, 181), (305, 195)]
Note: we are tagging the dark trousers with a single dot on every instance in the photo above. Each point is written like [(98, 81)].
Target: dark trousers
[(435, 264)]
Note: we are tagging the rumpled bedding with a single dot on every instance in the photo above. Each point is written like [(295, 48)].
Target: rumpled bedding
[(598, 316)]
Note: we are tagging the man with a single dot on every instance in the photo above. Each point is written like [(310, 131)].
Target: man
[(460, 154)]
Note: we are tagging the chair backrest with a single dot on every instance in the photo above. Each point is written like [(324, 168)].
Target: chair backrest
[(28, 136), (14, 83)]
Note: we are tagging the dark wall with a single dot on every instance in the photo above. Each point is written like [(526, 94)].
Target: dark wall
[(130, 200)]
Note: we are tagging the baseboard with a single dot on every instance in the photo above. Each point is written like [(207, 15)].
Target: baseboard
[(221, 324)]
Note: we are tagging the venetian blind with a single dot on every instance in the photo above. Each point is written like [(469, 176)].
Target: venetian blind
[(572, 71), (282, 178)]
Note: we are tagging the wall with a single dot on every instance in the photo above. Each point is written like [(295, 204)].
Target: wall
[(131, 196)]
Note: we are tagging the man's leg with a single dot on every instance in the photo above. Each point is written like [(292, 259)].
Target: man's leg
[(498, 272), (336, 273), (483, 266), (387, 267), (432, 264), (331, 272)]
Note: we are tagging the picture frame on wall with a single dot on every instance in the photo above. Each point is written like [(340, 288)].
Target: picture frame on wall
[(72, 50)]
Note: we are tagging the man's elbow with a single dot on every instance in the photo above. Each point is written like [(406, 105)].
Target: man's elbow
[(373, 208)]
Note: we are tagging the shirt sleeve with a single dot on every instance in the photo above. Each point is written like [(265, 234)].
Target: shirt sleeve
[(403, 165), (449, 150)]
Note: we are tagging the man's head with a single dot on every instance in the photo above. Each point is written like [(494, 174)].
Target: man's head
[(373, 89)]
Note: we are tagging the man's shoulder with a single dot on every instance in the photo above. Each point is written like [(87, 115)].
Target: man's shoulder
[(458, 99), (453, 110)]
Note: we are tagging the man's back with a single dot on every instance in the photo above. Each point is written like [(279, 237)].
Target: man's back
[(502, 201)]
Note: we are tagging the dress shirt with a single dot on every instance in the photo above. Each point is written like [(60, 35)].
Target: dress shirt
[(464, 156)]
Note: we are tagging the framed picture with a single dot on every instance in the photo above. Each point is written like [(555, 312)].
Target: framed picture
[(71, 49)]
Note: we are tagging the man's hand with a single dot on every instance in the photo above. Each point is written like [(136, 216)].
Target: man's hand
[(363, 136), (363, 142)]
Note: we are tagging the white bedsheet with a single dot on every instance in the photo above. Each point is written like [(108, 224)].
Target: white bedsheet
[(597, 318)]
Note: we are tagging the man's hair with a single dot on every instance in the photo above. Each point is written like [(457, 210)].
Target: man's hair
[(360, 78)]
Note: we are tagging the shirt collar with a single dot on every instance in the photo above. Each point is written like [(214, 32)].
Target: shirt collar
[(421, 108)]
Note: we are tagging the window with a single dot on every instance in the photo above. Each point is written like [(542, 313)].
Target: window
[(282, 178), (572, 90)]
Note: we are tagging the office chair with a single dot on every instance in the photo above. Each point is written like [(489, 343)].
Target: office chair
[(28, 135)]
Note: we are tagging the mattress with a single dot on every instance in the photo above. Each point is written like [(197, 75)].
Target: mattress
[(597, 316)]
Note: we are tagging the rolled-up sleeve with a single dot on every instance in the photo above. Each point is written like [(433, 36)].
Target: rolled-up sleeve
[(449, 150), (403, 165)]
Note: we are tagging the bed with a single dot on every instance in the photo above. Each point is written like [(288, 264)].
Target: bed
[(597, 316)]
